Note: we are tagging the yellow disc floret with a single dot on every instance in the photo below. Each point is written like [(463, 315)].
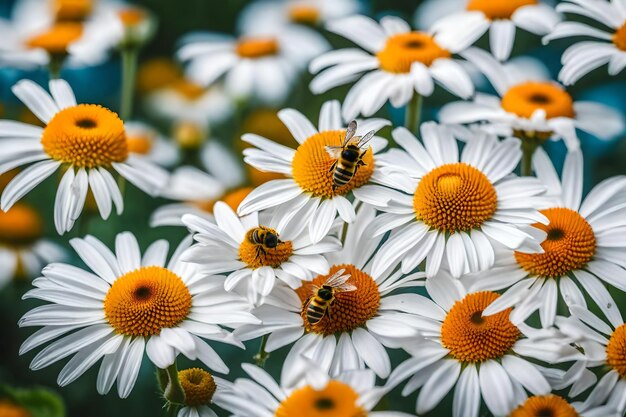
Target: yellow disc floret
[(401, 51), (72, 10), (304, 14), (86, 135), (198, 385), (524, 99), (455, 197), (21, 225), (311, 166), (545, 406), (337, 399), (57, 38), (619, 38), (350, 310), (254, 48), (570, 244), (616, 351), (498, 9), (472, 337), (147, 300), (140, 143), (256, 253)]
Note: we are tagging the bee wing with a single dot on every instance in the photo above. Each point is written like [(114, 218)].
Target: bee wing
[(314, 289), (345, 287), (337, 279), (365, 139), (334, 151), (350, 131)]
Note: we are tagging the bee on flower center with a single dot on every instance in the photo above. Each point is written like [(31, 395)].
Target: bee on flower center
[(264, 238), (322, 298)]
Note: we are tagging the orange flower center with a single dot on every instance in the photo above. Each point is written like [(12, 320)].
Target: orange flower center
[(57, 38), (141, 144), (545, 406), (72, 10), (147, 300), (188, 135), (86, 135), (262, 247), (198, 385), (157, 73), (569, 246), (401, 51), (304, 14), (188, 89), (349, 310), (254, 48), (8, 409), (498, 9), (526, 98), (131, 16), (472, 337), (616, 351), (337, 399), (21, 225), (455, 197), (619, 38), (311, 166)]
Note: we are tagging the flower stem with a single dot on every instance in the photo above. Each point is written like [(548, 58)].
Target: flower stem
[(130, 54), (173, 393), (529, 146), (54, 66), (262, 357), (413, 113)]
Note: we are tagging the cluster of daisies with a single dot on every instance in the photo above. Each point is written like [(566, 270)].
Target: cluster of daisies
[(459, 245)]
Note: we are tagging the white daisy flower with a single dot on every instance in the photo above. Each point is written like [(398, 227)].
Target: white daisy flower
[(488, 357), (530, 106), (501, 18), (396, 64), (147, 141), (128, 305), (201, 390), (584, 247), (361, 322), (554, 405), (23, 249), (351, 394), (309, 192), (452, 208), (87, 139), (255, 66), (255, 252), (606, 46)]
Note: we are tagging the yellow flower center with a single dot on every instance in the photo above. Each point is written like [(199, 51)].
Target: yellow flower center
[(304, 14), (131, 16), (472, 337), (141, 143), (337, 399), (616, 351), (86, 135), (262, 247), (254, 48), (188, 135), (498, 9), (455, 197), (569, 246), (147, 300), (401, 51), (311, 166), (72, 10), (57, 38), (545, 406), (21, 225), (188, 89), (8, 409), (350, 310), (526, 98), (619, 38), (233, 199), (199, 386), (157, 73)]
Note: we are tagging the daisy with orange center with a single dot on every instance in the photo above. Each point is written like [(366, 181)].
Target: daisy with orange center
[(448, 209), (396, 64), (309, 191), (87, 140), (555, 406), (531, 107), (256, 250), (357, 328), (608, 43), (581, 250), (488, 357), (202, 390), (128, 305)]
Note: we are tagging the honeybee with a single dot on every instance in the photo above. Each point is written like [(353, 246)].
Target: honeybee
[(263, 237), (349, 156), (322, 298)]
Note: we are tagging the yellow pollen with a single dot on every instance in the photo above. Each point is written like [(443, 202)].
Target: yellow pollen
[(569, 246), (311, 166), (157, 73), (350, 310), (254, 48), (257, 255), (199, 386), (498, 9), (131, 16), (141, 144), (616, 351), (526, 98), (304, 14), (56, 39), (402, 50), (337, 399), (472, 337), (8, 409), (619, 38), (545, 406), (147, 300), (72, 10), (188, 89), (455, 197), (19, 226), (86, 135)]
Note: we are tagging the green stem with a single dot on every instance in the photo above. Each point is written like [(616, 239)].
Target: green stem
[(54, 66), (174, 392), (529, 146), (261, 357), (413, 113), (130, 54)]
